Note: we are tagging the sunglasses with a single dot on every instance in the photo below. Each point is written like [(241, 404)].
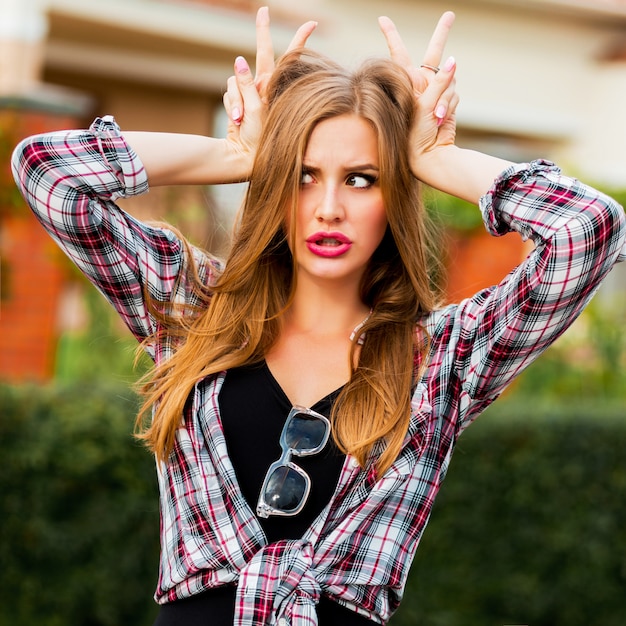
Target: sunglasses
[(286, 486)]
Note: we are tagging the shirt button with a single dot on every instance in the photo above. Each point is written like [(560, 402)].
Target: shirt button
[(282, 622)]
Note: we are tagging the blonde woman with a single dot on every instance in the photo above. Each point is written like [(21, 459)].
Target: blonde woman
[(309, 390)]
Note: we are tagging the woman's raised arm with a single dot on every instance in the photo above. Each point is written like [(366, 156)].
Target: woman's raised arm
[(179, 159)]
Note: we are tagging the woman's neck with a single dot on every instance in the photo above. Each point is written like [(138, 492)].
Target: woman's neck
[(311, 356), (325, 311)]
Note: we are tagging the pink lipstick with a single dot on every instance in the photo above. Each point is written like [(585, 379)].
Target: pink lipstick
[(328, 244)]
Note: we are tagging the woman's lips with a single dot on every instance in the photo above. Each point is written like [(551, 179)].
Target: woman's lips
[(328, 244)]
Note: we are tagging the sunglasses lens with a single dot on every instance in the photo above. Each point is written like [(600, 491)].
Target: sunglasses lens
[(285, 489), (305, 432), (286, 486)]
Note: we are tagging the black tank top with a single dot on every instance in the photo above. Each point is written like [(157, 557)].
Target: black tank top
[(253, 408)]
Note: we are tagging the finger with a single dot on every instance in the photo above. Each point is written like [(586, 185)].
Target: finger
[(438, 40), (433, 95), (454, 103), (450, 117), (397, 49), (246, 87), (441, 93), (264, 46), (446, 105), (302, 34), (233, 103)]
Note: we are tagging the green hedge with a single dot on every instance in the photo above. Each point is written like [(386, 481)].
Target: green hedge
[(78, 511), (529, 527), (530, 524)]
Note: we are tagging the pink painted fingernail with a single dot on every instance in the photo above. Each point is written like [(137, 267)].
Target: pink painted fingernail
[(241, 65), (440, 111), (449, 64), (236, 115)]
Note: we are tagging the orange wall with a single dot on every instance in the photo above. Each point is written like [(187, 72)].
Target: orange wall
[(33, 276)]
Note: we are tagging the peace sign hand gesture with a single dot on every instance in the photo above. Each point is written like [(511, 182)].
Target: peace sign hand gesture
[(245, 100), (434, 87), (265, 48)]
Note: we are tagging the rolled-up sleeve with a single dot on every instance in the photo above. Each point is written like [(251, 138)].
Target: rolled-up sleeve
[(481, 344), (71, 180)]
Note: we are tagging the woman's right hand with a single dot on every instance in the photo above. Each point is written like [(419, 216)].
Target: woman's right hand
[(245, 99), (180, 159)]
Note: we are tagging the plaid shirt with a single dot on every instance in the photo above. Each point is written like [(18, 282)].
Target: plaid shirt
[(359, 549)]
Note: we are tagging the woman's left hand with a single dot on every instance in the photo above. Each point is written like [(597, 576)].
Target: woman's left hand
[(434, 87)]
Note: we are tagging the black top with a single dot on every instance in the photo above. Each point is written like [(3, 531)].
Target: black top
[(253, 408)]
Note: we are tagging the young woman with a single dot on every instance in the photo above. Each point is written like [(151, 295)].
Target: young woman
[(308, 392)]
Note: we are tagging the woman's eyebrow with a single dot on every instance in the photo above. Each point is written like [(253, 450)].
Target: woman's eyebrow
[(362, 166), (356, 167)]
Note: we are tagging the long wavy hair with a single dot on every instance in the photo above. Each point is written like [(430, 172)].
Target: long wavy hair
[(239, 320)]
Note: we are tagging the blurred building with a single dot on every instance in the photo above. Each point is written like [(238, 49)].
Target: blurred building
[(536, 78)]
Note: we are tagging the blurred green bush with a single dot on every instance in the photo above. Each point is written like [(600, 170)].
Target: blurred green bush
[(103, 350), (588, 363), (78, 510), (530, 526)]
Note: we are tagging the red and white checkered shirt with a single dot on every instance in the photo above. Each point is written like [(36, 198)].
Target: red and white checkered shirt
[(359, 549)]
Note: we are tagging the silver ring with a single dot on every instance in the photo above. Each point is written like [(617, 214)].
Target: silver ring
[(434, 68)]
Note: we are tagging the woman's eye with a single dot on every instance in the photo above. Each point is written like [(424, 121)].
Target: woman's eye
[(360, 181), (306, 178)]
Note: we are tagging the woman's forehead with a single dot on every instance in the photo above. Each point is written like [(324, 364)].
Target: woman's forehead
[(349, 137)]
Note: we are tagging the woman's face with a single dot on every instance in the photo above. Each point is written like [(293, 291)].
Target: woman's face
[(341, 218)]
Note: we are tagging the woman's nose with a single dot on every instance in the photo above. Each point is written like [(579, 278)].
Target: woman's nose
[(330, 206)]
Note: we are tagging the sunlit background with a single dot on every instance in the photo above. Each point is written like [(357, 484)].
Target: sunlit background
[(542, 78)]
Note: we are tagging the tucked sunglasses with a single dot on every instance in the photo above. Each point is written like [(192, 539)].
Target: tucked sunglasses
[(287, 486)]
